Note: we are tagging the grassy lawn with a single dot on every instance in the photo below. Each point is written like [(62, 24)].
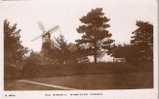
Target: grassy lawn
[(110, 81), (88, 77)]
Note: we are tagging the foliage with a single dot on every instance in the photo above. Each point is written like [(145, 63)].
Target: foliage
[(33, 59), (14, 51), (142, 40), (62, 52)]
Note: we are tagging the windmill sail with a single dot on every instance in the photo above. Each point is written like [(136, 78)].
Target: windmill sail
[(37, 37), (54, 29), (43, 29), (41, 26)]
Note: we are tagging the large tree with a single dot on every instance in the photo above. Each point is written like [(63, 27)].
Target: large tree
[(95, 38), (142, 40), (13, 49)]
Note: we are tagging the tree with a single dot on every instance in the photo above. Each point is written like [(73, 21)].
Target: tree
[(13, 49), (14, 52), (95, 38), (142, 40)]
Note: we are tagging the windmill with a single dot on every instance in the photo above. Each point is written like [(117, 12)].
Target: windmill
[(46, 38)]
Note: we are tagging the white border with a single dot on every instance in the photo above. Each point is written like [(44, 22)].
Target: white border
[(106, 94)]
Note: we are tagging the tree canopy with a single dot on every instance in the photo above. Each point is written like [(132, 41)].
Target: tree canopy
[(14, 51), (95, 39), (142, 39)]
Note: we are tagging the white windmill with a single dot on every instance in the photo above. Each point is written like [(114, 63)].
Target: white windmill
[(46, 38)]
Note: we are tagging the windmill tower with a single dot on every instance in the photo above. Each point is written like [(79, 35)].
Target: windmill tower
[(46, 38)]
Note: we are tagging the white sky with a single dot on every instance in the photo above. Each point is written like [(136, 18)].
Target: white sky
[(66, 13)]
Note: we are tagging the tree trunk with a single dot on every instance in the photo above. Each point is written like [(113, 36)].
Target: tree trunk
[(95, 52), (95, 59)]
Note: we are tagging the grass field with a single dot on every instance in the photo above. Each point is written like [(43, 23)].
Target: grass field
[(93, 78)]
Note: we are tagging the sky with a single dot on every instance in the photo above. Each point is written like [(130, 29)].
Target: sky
[(123, 15)]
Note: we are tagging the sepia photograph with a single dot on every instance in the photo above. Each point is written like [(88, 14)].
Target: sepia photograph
[(78, 44)]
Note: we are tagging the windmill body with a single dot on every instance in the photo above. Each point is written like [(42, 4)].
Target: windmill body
[(46, 44), (46, 37)]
